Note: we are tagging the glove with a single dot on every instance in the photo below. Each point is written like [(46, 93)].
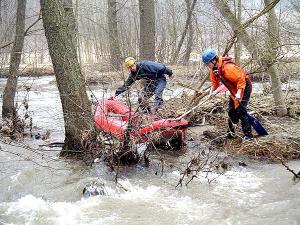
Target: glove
[(220, 89), (211, 91), (112, 97), (215, 92), (238, 94)]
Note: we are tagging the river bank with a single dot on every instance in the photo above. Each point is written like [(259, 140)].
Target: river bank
[(39, 187)]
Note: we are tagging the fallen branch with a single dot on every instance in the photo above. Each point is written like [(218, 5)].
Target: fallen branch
[(188, 86), (296, 175)]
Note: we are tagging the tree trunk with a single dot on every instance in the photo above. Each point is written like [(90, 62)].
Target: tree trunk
[(79, 125), (270, 61), (190, 39), (238, 47), (173, 30), (161, 54), (187, 25), (0, 12), (70, 17), (76, 15), (114, 45), (147, 29), (8, 109)]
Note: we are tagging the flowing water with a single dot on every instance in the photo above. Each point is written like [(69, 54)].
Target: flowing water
[(38, 187)]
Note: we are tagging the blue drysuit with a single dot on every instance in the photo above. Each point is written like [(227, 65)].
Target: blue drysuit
[(155, 82)]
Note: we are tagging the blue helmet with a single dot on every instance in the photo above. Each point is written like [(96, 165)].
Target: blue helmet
[(208, 55)]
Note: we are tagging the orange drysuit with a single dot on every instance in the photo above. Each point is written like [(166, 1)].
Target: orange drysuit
[(232, 76)]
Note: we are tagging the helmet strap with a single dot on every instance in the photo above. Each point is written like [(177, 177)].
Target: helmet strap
[(215, 61), (215, 68)]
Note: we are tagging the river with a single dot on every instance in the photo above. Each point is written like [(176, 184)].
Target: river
[(38, 187)]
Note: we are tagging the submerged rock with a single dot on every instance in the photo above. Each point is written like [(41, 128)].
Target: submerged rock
[(94, 188)]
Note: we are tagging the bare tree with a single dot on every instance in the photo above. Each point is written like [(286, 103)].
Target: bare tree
[(115, 52), (270, 61), (8, 108), (187, 25), (147, 29), (78, 119)]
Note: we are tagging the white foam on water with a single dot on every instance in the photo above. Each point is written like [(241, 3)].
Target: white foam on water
[(139, 193), (31, 210), (14, 178)]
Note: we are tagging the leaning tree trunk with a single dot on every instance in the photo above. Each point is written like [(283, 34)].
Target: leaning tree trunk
[(240, 29), (70, 17), (187, 25), (243, 36), (114, 45), (147, 29), (8, 108), (79, 126), (270, 61)]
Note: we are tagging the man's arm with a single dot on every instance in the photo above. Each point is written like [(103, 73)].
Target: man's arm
[(124, 87), (167, 71), (213, 80)]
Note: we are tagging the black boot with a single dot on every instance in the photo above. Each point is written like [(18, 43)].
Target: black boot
[(231, 130), (246, 127)]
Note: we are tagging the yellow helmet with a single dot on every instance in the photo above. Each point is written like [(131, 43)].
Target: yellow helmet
[(129, 61)]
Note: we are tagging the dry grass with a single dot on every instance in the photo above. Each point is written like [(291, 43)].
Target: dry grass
[(282, 142)]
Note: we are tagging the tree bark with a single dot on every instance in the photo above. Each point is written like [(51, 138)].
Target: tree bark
[(70, 17), (8, 108), (189, 44), (147, 29), (0, 11), (173, 29), (71, 85), (238, 47), (270, 61), (187, 25), (114, 45)]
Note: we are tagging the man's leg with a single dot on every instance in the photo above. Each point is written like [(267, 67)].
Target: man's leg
[(144, 96), (232, 120), (160, 85), (246, 125)]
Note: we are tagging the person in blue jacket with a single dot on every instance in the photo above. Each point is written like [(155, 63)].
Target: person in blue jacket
[(153, 73)]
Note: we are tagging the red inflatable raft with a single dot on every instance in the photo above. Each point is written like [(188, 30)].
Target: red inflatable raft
[(113, 117)]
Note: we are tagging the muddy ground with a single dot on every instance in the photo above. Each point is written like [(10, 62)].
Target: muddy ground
[(209, 124)]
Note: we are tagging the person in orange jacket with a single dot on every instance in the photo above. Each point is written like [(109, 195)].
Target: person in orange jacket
[(223, 70)]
